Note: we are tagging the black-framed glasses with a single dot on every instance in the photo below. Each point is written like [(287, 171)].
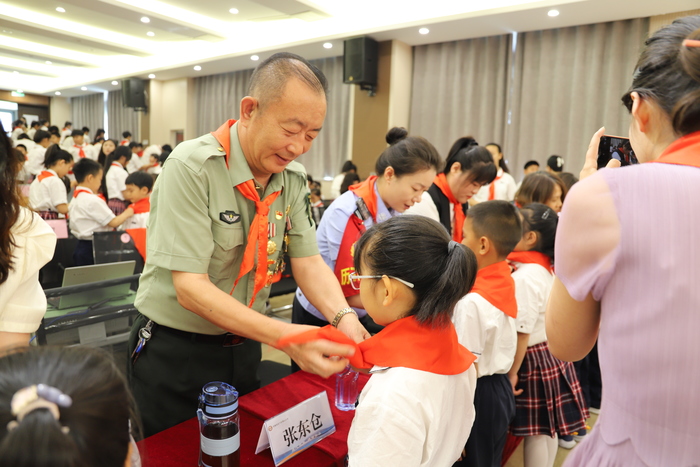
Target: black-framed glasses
[(355, 280)]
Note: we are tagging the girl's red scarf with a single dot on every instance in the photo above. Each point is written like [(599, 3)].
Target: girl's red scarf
[(497, 286), (531, 257), (404, 343)]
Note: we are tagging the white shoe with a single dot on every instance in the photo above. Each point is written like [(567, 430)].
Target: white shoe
[(566, 444), (595, 410)]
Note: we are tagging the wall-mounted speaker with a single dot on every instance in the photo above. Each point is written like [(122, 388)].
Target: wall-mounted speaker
[(360, 56), (133, 94)]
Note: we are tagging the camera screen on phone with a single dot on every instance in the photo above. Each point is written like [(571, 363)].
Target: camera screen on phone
[(615, 147)]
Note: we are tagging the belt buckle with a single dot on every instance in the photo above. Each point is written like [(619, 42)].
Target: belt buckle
[(233, 340)]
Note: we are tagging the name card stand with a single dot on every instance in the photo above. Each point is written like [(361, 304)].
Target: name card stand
[(297, 429)]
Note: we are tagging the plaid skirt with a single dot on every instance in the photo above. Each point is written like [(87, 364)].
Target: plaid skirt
[(48, 215), (116, 205), (552, 400)]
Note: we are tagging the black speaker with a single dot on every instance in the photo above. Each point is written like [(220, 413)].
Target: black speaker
[(133, 94), (360, 57)]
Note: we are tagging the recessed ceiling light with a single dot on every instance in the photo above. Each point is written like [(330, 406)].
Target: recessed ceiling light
[(553, 13), (145, 19), (327, 45), (151, 76), (424, 30), (83, 88), (115, 83), (48, 62), (16, 72), (58, 93), (60, 9), (254, 58), (197, 68), (150, 33), (233, 11)]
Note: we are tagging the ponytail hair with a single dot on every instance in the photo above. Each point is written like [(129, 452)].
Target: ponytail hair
[(97, 421), (668, 71), (543, 221), (465, 142), (54, 153), (419, 250), (407, 154), (121, 151)]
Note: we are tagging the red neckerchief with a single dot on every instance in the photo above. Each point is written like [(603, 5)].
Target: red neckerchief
[(117, 164), (497, 286), (683, 151), (345, 262), (259, 226), (441, 182), (403, 343), (124, 142), (81, 189), (81, 153), (492, 187), (142, 205), (45, 174), (532, 257)]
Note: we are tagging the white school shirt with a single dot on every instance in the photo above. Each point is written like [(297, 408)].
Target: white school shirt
[(426, 207), (74, 150), (135, 163), (48, 193), (31, 132), (137, 221), (505, 188), (486, 332), (22, 300), (35, 160), (409, 417), (533, 283), (88, 214), (116, 181)]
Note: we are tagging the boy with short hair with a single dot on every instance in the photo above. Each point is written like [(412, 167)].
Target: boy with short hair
[(77, 149), (485, 324), (88, 212), (138, 192)]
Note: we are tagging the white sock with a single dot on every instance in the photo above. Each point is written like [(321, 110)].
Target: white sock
[(540, 451)]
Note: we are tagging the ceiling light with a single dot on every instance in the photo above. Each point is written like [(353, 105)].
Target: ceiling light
[(58, 93), (145, 19), (115, 83), (16, 72), (424, 30), (254, 58), (327, 45), (197, 68), (150, 33), (60, 9), (233, 11), (151, 76), (553, 13), (48, 62), (83, 88)]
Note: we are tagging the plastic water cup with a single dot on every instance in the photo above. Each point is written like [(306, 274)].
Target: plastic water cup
[(346, 389)]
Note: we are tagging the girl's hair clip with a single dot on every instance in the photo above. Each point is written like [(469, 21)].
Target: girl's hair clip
[(38, 396), (545, 215), (691, 43)]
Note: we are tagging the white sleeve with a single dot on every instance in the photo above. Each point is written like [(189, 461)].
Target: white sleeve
[(384, 435), (426, 208), (99, 211), (57, 191), (469, 325), (121, 180), (22, 300), (510, 187), (529, 306)]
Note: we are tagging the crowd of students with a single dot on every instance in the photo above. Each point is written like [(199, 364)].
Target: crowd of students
[(469, 296)]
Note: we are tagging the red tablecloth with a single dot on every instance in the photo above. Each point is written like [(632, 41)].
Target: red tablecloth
[(179, 445)]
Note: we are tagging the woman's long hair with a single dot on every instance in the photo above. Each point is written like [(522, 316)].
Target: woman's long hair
[(11, 201)]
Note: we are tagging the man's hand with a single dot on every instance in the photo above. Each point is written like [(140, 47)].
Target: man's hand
[(590, 166), (321, 357), (351, 327)]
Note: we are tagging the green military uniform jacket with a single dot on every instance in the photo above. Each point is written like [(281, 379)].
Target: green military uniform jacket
[(199, 223)]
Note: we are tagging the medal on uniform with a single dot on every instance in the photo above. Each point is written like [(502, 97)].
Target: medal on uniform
[(278, 215), (271, 233), (271, 247), (270, 275)]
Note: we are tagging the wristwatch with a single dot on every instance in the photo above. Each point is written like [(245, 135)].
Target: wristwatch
[(340, 315)]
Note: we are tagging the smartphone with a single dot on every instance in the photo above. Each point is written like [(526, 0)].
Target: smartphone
[(615, 147)]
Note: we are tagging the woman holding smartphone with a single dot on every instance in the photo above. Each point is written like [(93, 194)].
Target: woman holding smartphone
[(628, 267)]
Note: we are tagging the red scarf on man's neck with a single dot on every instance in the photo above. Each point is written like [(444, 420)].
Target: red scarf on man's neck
[(404, 343), (258, 228), (441, 182), (497, 286), (532, 257)]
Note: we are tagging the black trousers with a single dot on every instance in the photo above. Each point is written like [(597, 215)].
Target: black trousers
[(588, 372), (301, 316), (494, 403), (82, 255), (171, 370)]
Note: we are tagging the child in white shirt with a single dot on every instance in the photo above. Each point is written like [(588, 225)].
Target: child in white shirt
[(138, 192), (115, 178), (47, 193)]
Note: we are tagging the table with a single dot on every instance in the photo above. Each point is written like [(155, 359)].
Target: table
[(179, 445)]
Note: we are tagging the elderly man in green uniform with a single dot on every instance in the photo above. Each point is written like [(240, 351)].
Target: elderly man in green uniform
[(225, 209)]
